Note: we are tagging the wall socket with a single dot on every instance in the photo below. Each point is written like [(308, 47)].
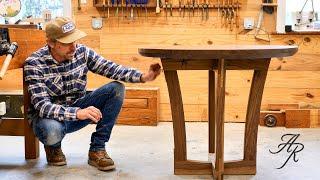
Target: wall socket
[(83, 1), (248, 23)]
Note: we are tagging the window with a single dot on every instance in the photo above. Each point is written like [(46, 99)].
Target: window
[(20, 9), (302, 15)]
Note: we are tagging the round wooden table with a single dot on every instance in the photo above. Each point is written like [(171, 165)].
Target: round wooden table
[(217, 59)]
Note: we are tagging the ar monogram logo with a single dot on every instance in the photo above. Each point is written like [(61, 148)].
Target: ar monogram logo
[(292, 147)]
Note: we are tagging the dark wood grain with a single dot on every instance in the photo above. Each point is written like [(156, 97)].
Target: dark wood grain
[(180, 150), (221, 89), (253, 113), (238, 52), (220, 58), (212, 112), (11, 127)]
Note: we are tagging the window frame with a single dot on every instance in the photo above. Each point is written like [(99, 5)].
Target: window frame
[(282, 14)]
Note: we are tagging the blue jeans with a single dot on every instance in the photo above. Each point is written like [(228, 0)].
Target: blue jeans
[(108, 99)]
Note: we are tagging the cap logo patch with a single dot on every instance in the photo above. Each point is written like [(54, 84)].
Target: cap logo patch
[(68, 27)]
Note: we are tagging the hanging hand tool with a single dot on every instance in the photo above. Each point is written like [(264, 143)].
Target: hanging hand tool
[(198, 4), (166, 8), (122, 11), (131, 9), (127, 11), (136, 7), (207, 9), (189, 10), (228, 13), (193, 3), (141, 3), (237, 15), (180, 8), (260, 20), (112, 3), (232, 14), (203, 12), (218, 3), (184, 9), (108, 9), (158, 7), (117, 9), (104, 8), (79, 4), (223, 13), (170, 5), (145, 8)]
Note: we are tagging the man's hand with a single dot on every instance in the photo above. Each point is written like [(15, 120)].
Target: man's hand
[(154, 71), (91, 113)]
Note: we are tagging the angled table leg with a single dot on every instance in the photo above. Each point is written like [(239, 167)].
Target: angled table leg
[(219, 169), (253, 109), (211, 110), (179, 130)]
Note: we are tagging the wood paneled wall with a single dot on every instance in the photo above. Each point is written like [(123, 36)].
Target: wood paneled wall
[(290, 80)]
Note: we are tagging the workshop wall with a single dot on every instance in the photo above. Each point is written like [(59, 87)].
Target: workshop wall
[(290, 80)]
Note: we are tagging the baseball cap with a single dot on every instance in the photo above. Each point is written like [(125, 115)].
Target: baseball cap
[(63, 30)]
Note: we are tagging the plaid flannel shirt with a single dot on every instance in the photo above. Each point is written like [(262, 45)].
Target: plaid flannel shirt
[(54, 86)]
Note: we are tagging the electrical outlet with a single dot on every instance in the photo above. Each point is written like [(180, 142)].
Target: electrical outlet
[(83, 1), (248, 23)]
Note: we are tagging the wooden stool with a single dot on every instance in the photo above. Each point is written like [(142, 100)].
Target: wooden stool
[(219, 58), (29, 40)]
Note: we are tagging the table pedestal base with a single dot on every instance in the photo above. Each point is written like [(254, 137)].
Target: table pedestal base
[(216, 103)]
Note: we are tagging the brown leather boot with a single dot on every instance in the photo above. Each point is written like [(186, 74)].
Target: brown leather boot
[(55, 156), (101, 160)]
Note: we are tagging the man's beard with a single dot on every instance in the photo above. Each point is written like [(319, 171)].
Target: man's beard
[(70, 56)]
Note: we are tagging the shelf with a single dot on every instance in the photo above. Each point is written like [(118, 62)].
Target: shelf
[(211, 6), (24, 26), (115, 6), (298, 33), (174, 6), (269, 4)]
